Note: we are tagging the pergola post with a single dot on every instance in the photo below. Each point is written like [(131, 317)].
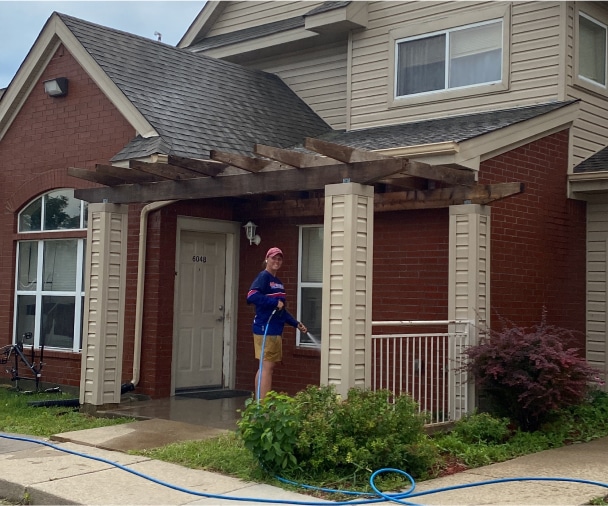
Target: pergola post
[(347, 286), (468, 293), (102, 346)]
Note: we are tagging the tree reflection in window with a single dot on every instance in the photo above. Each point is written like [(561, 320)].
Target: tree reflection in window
[(56, 210)]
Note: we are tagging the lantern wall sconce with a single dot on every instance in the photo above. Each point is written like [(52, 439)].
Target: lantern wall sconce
[(57, 87), (250, 228)]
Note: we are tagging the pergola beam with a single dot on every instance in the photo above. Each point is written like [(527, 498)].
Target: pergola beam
[(393, 201), (203, 167), (313, 178), (346, 154)]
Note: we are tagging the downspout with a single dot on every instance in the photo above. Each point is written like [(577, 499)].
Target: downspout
[(139, 301)]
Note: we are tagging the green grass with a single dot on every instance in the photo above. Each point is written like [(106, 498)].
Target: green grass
[(461, 449), (18, 417), (599, 501), (224, 454), (475, 441)]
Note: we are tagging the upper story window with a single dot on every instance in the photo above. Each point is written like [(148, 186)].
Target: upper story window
[(439, 58), (56, 210), (455, 58), (592, 41)]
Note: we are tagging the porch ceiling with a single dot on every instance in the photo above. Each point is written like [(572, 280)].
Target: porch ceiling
[(400, 183)]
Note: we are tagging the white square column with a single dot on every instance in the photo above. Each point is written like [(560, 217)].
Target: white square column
[(468, 293), (347, 286), (103, 328)]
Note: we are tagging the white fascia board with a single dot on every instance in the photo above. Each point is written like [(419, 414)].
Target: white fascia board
[(26, 78), (249, 46), (470, 153), (105, 84), (589, 186), (582, 187), (437, 153), (505, 139), (434, 148), (208, 15), (55, 33)]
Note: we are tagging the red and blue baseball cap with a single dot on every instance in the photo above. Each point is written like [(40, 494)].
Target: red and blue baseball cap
[(273, 252)]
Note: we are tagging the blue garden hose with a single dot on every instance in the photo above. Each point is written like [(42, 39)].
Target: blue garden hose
[(257, 393), (369, 498), (397, 498)]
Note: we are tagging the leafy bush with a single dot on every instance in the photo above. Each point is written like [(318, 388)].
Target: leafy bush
[(269, 430), (482, 428), (317, 433), (527, 373)]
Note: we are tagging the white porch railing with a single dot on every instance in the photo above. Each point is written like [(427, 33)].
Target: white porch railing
[(425, 365)]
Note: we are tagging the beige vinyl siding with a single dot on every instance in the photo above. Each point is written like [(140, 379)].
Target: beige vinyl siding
[(102, 348), (347, 286), (240, 15), (534, 49), (597, 258), (318, 77), (590, 132)]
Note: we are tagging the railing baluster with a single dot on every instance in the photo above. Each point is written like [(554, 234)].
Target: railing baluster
[(425, 366)]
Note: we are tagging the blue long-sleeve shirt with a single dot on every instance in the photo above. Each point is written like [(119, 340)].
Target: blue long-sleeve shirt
[(265, 292)]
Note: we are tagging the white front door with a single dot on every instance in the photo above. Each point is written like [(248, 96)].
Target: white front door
[(200, 311)]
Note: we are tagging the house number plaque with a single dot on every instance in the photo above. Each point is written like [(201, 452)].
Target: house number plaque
[(197, 258)]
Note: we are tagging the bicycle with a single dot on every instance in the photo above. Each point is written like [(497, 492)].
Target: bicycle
[(14, 354)]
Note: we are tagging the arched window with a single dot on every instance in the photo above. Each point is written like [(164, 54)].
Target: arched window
[(49, 296)]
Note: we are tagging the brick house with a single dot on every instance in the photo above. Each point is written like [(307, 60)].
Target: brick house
[(460, 201)]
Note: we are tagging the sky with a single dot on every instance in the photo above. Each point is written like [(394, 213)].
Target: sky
[(22, 21)]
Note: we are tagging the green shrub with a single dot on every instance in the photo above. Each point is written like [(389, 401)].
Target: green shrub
[(482, 428), (528, 373), (269, 430), (317, 433)]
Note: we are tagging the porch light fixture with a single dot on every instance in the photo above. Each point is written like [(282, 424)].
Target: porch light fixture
[(250, 227), (57, 87)]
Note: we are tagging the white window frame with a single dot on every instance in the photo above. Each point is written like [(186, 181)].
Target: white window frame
[(303, 284), (39, 293), (42, 198), (578, 79), (422, 29), (447, 60)]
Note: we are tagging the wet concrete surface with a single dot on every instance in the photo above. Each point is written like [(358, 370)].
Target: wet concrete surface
[(160, 422)]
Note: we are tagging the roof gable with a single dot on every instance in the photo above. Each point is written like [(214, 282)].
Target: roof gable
[(191, 103), (197, 103)]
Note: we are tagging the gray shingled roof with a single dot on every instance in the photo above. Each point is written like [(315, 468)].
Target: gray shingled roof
[(326, 6), (246, 34), (595, 163), (256, 32), (196, 103), (455, 128)]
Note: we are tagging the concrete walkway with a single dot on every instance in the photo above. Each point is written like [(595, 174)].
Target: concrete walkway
[(92, 467)]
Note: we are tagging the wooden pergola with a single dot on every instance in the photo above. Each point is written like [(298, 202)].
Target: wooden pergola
[(400, 183)]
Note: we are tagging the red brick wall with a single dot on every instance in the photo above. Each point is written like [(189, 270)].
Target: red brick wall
[(299, 367), (538, 238), (537, 260), (537, 245), (157, 329), (47, 136)]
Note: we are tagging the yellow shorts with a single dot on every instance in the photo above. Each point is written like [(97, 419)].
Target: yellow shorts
[(273, 348)]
